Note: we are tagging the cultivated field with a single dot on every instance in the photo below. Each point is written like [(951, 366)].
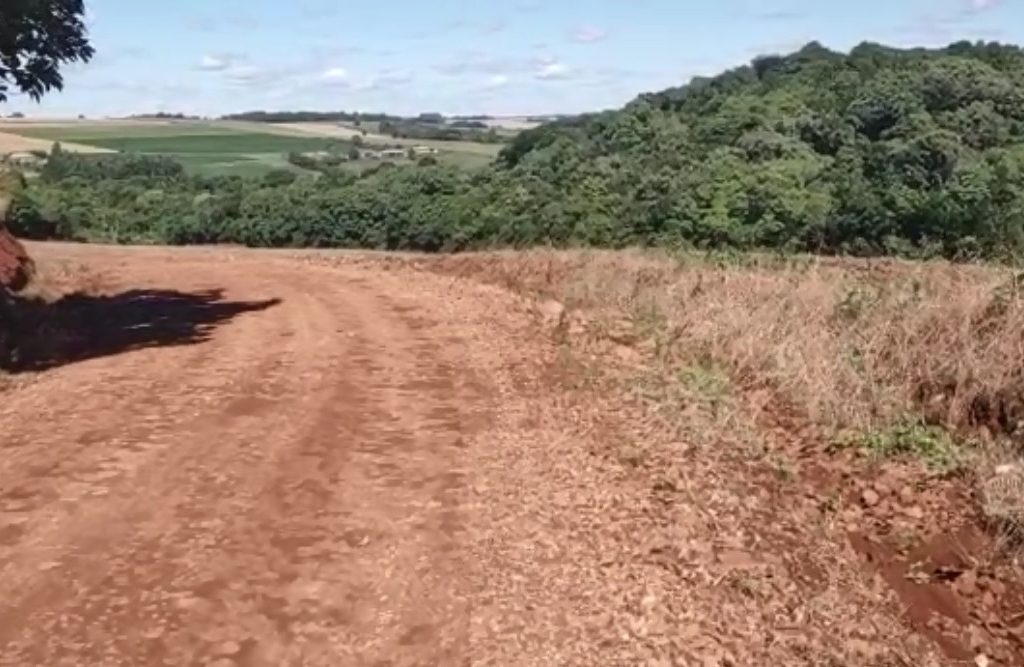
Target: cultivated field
[(219, 147), (203, 147), (512, 123), (347, 132), (16, 143)]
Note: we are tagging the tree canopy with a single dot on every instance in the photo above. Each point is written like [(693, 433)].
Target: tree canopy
[(916, 152), (37, 37)]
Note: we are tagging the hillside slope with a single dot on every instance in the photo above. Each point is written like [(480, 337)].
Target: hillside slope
[(876, 151)]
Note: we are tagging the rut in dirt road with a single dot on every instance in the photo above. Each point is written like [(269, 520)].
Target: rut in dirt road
[(285, 492)]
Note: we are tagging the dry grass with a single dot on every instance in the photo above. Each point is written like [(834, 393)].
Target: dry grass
[(14, 143), (858, 346)]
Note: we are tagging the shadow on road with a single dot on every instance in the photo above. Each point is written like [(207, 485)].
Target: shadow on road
[(78, 327)]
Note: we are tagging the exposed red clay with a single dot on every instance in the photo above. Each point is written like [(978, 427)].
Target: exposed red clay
[(267, 459)]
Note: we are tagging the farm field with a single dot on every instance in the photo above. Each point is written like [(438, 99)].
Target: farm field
[(371, 136), (15, 143), (513, 124), (203, 147), (219, 147)]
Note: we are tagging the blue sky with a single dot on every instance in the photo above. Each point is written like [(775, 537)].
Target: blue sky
[(503, 57)]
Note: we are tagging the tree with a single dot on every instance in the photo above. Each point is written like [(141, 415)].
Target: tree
[(37, 37)]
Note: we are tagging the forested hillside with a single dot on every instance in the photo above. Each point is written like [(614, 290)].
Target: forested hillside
[(879, 151)]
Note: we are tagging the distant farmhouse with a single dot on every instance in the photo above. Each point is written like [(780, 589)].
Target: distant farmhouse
[(383, 154), (25, 159)]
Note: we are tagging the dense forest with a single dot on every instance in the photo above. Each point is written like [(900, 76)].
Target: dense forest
[(879, 151)]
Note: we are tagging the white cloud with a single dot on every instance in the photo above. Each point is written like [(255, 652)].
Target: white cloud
[(588, 34), (553, 71), (212, 63), (335, 75)]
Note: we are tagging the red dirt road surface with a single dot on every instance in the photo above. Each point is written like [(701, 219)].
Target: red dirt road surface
[(256, 459)]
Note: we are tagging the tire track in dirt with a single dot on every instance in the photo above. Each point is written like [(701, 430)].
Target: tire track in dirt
[(296, 501)]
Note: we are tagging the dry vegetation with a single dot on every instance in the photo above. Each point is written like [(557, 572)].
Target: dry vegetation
[(14, 143), (889, 393), (859, 346)]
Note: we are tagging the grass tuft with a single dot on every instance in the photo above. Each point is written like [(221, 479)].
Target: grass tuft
[(911, 438)]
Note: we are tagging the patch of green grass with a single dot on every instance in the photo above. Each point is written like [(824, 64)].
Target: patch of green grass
[(223, 142), (911, 438), (90, 132)]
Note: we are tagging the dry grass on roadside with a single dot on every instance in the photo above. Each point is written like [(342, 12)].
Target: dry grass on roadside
[(885, 352)]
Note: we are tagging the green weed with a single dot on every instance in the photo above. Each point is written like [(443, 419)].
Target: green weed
[(911, 438)]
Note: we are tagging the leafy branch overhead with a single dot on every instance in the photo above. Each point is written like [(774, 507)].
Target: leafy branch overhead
[(38, 37)]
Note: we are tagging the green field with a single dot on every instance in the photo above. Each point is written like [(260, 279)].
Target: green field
[(213, 148), (222, 142), (204, 148), (91, 132)]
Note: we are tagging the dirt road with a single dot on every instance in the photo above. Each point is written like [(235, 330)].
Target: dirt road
[(289, 490), (266, 459)]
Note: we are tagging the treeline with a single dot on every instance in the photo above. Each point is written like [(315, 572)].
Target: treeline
[(309, 117), (880, 151), (427, 207), (164, 115), (440, 131)]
